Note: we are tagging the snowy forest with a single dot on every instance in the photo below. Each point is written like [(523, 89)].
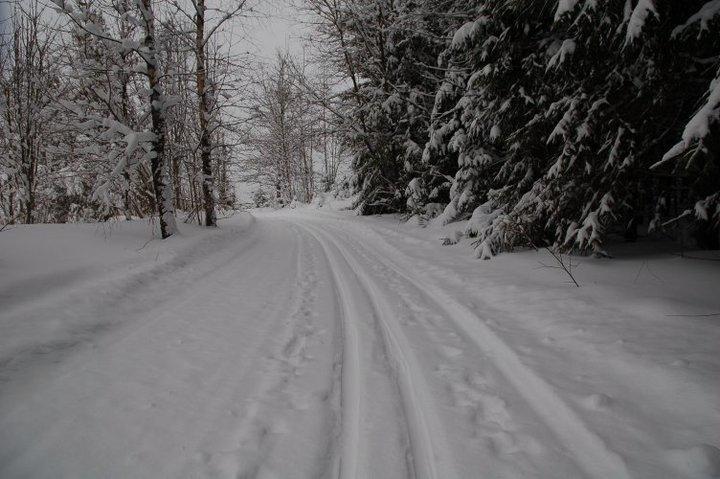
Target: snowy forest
[(546, 123), (247, 239)]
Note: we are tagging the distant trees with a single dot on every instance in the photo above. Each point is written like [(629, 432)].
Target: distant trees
[(28, 76), (546, 123), (101, 116), (295, 142)]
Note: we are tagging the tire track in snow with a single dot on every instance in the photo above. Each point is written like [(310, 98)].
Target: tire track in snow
[(588, 449), (430, 453)]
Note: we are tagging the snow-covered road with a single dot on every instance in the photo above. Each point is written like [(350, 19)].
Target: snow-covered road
[(308, 344)]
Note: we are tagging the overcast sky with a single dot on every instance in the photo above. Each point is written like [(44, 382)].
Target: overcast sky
[(3, 15), (282, 29), (279, 28)]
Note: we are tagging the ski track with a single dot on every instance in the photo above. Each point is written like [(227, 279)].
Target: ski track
[(347, 462), (429, 456), (587, 448), (350, 372)]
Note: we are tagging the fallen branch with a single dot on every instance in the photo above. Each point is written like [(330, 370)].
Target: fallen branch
[(565, 267)]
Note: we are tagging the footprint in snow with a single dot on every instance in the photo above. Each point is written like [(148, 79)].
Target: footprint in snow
[(598, 401), (452, 352), (701, 461)]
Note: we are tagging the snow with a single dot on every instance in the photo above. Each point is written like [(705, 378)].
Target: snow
[(639, 17), (562, 128), (699, 125), (564, 6), (466, 32), (699, 461), (315, 343), (565, 49), (706, 13)]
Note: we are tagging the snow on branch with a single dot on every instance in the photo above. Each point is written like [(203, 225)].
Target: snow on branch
[(564, 6), (639, 17), (706, 13), (566, 49), (467, 31), (698, 128)]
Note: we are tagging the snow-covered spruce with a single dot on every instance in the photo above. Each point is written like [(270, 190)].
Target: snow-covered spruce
[(551, 114)]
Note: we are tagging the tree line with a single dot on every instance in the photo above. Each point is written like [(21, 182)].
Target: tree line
[(295, 146), (544, 123)]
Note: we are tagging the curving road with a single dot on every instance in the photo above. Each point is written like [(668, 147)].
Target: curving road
[(302, 345)]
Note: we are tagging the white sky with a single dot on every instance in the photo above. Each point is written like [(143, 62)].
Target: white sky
[(280, 30), (4, 13)]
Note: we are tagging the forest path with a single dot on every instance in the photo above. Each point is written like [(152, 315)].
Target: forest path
[(309, 344)]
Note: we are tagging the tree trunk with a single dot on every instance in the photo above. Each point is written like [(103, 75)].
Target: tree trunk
[(30, 202), (161, 187), (203, 113)]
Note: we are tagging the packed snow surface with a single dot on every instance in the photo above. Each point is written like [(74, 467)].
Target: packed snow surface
[(310, 343)]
